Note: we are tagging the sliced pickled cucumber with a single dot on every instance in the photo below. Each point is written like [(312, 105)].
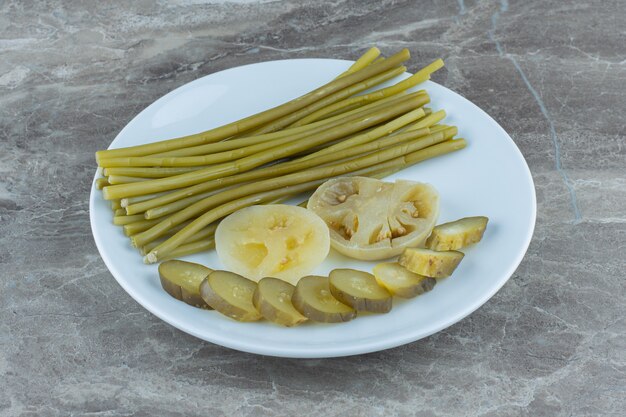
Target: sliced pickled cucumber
[(272, 298), (230, 294), (359, 290), (182, 280), (400, 281), (313, 299), (430, 263), (457, 234)]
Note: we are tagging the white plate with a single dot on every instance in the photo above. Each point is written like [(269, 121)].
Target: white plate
[(489, 177)]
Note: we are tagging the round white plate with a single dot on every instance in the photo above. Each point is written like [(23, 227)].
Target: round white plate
[(489, 178)]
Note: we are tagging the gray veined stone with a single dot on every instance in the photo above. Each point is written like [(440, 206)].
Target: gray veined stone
[(552, 342)]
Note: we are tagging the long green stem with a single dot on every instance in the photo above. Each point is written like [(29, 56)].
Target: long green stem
[(435, 150), (125, 202), (361, 150), (207, 232), (237, 143), (276, 170), (351, 108), (101, 183), (295, 133), (123, 220), (191, 248), (358, 140), (143, 172), (122, 179), (342, 168), (365, 136), (132, 229), (191, 161), (253, 161), (139, 226), (372, 55), (438, 127), (116, 204), (417, 142), (330, 100), (231, 155), (248, 123), (363, 61), (173, 207), (429, 120), (415, 79)]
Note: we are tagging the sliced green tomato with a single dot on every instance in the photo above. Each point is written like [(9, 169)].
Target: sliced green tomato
[(457, 234), (313, 299), (370, 219), (400, 281), (430, 263), (274, 240), (359, 290), (182, 280), (272, 298), (231, 295)]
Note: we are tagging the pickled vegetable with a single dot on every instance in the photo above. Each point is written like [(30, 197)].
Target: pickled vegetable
[(230, 294), (182, 280), (457, 234), (359, 290), (251, 122), (314, 300), (430, 263), (276, 240), (341, 128), (272, 298), (371, 219), (400, 281)]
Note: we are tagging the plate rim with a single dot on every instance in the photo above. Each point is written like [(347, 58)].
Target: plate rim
[(335, 351)]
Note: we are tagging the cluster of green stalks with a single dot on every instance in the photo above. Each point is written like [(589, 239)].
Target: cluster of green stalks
[(168, 196)]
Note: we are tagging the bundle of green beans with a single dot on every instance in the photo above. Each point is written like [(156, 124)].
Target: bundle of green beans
[(168, 196)]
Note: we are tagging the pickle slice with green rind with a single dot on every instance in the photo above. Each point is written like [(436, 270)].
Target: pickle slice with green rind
[(457, 234), (359, 290), (182, 279), (230, 294), (314, 300), (400, 281), (430, 263), (272, 298)]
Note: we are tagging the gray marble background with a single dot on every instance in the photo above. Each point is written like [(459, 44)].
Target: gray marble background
[(551, 342)]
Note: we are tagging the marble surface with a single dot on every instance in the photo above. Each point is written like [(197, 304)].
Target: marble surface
[(552, 342)]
